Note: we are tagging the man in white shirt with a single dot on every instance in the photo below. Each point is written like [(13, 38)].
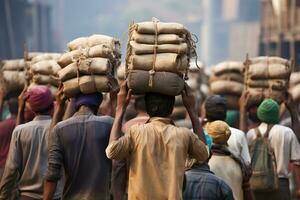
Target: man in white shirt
[(285, 145), (215, 109)]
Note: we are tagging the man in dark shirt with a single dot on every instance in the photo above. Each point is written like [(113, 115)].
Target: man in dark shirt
[(7, 126), (202, 184), (78, 144)]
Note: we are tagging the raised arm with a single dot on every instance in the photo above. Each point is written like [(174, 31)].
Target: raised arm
[(293, 110), (21, 106), (190, 105)]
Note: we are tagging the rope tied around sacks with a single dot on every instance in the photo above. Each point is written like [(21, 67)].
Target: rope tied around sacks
[(155, 47)]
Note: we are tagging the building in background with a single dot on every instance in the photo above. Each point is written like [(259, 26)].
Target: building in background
[(230, 30), (280, 29), (30, 22)]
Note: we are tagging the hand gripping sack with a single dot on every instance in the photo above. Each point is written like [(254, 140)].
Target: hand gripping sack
[(264, 171)]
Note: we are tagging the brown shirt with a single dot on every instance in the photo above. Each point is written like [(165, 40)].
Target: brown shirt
[(157, 152)]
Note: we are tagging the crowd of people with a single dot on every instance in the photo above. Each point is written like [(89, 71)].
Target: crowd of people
[(124, 146)]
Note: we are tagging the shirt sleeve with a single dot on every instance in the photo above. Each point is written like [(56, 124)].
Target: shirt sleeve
[(197, 149), (120, 148), (12, 167), (245, 149), (295, 149), (55, 158)]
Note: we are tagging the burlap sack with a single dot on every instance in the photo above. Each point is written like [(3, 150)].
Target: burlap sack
[(226, 87), (13, 65), (169, 62), (45, 56), (45, 80), (31, 55), (257, 95), (95, 51), (232, 102), (94, 40), (295, 78), (12, 80), (295, 92), (45, 67), (85, 85), (277, 84), (268, 68), (161, 38), (97, 66), (162, 27), (163, 82), (140, 49), (236, 77), (121, 72), (228, 67)]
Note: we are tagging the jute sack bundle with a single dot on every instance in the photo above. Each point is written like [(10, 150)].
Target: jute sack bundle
[(277, 84), (226, 87), (232, 102), (140, 49), (161, 38), (45, 80), (86, 85), (13, 65), (295, 92), (228, 67), (233, 76), (162, 27), (94, 40), (46, 56), (98, 66), (95, 51), (121, 72), (257, 95), (268, 68), (295, 78), (163, 82), (169, 62), (31, 55), (45, 67), (12, 80)]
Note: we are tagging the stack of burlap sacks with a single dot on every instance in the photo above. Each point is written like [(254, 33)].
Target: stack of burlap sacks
[(157, 57), (12, 75), (267, 77), (295, 86), (227, 79), (44, 69), (86, 66)]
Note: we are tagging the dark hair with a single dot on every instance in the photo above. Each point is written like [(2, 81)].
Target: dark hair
[(215, 108), (159, 105), (13, 105), (139, 103), (46, 111)]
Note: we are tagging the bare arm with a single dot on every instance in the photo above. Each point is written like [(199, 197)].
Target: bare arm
[(49, 190), (293, 109), (243, 112), (122, 103), (190, 105), (21, 107), (296, 170), (70, 109)]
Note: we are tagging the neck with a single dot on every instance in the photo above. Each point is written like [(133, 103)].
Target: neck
[(142, 114), (84, 108)]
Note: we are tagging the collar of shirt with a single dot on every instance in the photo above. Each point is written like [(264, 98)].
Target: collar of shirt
[(41, 117), (161, 120), (203, 167), (78, 113)]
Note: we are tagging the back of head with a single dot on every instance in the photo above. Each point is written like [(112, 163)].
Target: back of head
[(268, 111), (40, 99), (13, 105), (139, 103), (159, 105), (215, 108), (219, 132), (92, 101)]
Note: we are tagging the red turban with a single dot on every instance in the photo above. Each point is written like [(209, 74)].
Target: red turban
[(39, 98)]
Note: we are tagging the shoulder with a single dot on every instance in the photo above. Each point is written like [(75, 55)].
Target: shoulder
[(105, 119), (24, 126), (236, 132)]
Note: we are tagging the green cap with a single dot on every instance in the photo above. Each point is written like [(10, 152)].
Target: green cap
[(268, 111)]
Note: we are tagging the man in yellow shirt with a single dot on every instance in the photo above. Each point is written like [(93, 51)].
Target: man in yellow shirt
[(157, 150)]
